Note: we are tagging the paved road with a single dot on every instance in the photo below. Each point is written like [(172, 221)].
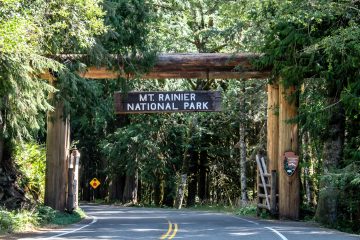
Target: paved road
[(112, 222)]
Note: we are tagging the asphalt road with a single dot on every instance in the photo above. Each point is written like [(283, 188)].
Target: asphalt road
[(113, 222)]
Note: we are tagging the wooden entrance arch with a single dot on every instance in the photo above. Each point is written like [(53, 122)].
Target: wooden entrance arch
[(281, 136)]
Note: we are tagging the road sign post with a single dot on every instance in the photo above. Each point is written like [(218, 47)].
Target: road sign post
[(94, 183)]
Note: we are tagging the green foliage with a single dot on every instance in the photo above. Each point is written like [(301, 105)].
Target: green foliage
[(346, 184), (213, 208), (16, 220), (188, 26), (72, 25), (21, 220), (30, 159), (28, 31), (64, 218), (249, 210), (23, 96)]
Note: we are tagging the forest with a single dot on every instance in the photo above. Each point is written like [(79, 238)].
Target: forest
[(143, 159)]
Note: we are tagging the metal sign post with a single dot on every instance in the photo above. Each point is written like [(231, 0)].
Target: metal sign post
[(94, 183)]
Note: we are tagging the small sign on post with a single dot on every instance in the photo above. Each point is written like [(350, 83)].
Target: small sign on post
[(94, 183), (291, 162)]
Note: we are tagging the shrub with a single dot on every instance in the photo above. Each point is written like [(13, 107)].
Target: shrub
[(31, 161)]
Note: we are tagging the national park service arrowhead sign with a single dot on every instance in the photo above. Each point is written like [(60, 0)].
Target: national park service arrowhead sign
[(291, 162)]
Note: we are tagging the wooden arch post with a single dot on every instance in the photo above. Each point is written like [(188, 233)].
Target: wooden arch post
[(273, 127), (289, 186), (57, 153)]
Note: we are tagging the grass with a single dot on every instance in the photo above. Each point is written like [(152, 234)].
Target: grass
[(249, 210), (23, 220), (213, 208)]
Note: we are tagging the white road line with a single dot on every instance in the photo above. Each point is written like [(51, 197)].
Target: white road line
[(249, 221), (277, 232), (72, 231), (243, 219)]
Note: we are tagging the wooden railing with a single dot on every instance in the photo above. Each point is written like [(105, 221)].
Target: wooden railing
[(267, 197)]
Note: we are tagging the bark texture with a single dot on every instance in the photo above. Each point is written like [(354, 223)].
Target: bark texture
[(203, 186), (242, 132), (131, 188), (327, 209), (184, 65), (289, 186), (273, 127), (192, 177), (57, 155)]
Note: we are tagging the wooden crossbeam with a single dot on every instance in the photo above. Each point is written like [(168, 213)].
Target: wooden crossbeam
[(183, 65)]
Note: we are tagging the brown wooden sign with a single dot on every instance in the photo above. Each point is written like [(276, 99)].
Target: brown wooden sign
[(157, 102)]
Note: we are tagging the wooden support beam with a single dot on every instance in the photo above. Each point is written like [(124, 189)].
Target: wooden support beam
[(273, 195), (273, 127), (57, 150), (289, 186), (185, 65)]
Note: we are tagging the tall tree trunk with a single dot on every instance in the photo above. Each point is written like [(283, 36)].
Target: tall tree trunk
[(203, 176), (169, 190), (158, 190), (118, 180), (57, 155), (192, 177), (185, 165), (2, 140), (116, 187), (306, 158), (289, 186), (273, 127), (131, 188), (326, 211), (242, 142)]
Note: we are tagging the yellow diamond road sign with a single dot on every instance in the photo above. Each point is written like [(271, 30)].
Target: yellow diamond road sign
[(94, 183)]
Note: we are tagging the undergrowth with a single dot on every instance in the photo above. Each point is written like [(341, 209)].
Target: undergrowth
[(22, 220)]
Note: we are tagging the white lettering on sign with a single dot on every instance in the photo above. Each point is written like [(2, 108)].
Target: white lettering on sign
[(173, 97), (161, 97), (144, 97), (150, 106), (205, 105), (196, 105), (167, 101)]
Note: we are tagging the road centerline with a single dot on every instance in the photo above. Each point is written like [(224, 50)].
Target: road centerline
[(175, 231), (168, 231), (172, 229)]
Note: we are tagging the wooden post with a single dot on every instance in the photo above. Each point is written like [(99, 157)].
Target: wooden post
[(273, 204), (70, 200), (289, 186), (57, 153), (273, 127), (76, 183)]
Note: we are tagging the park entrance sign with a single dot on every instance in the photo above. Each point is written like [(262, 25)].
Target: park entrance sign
[(158, 102), (281, 133)]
